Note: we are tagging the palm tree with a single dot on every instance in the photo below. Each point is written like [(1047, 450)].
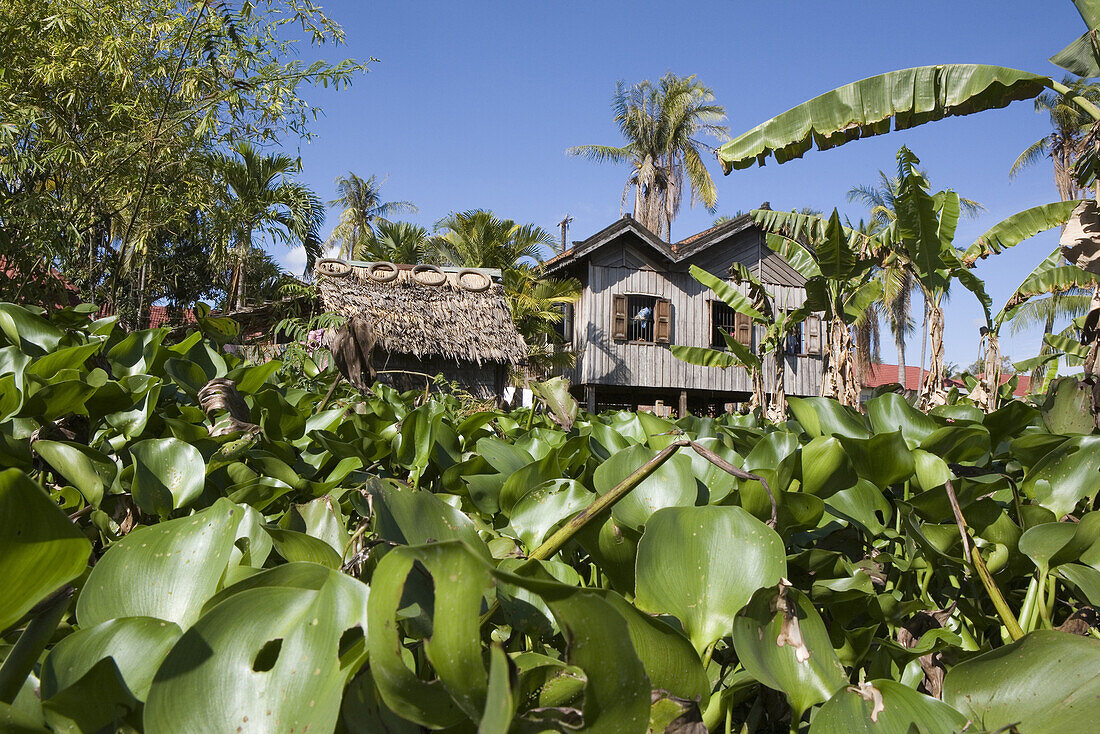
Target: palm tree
[(478, 239), (361, 200), (897, 275), (399, 242), (260, 197), (1063, 145), (663, 125)]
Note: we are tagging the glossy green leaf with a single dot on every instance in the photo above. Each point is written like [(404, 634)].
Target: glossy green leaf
[(90, 471), (1068, 407), (890, 412), (1066, 475), (295, 546), (782, 642), (684, 567), (1044, 682), (136, 645), (826, 468), (826, 417), (545, 506), (40, 549), (166, 571), (168, 474), (459, 689), (281, 649), (33, 334), (670, 485), (885, 707)]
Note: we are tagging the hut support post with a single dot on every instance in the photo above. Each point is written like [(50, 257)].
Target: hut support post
[(590, 398), (683, 404)]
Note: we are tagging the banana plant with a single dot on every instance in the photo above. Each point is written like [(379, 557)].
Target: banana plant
[(841, 284), (777, 325), (1050, 276), (907, 98)]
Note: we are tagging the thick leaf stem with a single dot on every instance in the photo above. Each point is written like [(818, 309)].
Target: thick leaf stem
[(721, 463), (1090, 109), (20, 661), (555, 542), (975, 557)]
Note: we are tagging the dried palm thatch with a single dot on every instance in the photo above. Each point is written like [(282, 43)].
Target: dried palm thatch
[(453, 320)]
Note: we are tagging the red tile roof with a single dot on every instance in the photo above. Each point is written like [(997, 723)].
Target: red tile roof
[(885, 374), (159, 316)]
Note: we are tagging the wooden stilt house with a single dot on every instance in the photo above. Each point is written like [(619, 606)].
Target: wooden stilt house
[(638, 298)]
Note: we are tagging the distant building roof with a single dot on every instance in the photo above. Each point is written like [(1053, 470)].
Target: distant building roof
[(887, 374)]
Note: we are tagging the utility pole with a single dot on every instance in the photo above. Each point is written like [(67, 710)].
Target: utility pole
[(564, 224)]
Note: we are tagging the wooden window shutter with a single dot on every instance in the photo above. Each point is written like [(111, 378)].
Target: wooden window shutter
[(618, 319), (662, 319), (813, 335), (742, 324)]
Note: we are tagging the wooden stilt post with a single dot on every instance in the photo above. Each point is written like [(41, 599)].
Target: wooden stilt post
[(590, 397), (683, 404)]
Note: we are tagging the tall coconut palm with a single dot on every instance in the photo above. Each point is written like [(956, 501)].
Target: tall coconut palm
[(260, 197), (663, 124), (362, 205)]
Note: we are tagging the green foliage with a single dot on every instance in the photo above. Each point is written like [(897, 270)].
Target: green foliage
[(114, 118), (368, 562)]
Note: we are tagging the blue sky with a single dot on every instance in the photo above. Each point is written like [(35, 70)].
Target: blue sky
[(472, 105)]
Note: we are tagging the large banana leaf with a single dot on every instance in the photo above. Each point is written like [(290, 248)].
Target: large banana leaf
[(909, 97), (1082, 57), (835, 256), (725, 290), (1020, 226), (1049, 276)]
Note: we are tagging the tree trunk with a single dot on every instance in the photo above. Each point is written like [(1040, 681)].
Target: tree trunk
[(243, 245), (899, 342), (992, 369), (840, 379), (931, 386), (924, 338), (777, 411)]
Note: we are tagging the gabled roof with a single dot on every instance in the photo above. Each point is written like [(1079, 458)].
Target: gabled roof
[(674, 253)]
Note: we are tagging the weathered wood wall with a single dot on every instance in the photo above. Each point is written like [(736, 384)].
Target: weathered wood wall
[(627, 269)]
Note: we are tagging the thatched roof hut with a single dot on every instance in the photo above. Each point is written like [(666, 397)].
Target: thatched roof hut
[(420, 318)]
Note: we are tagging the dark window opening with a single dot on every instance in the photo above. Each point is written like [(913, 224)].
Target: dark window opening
[(640, 318), (723, 319)]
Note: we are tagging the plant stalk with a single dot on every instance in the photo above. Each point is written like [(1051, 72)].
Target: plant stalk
[(555, 542), (976, 560)]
